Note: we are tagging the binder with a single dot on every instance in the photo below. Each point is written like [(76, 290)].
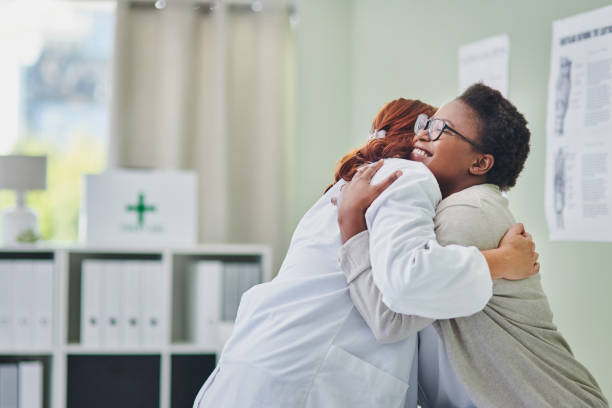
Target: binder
[(130, 303), (231, 289), (249, 277), (111, 303), (23, 305), (91, 303), (7, 315), (43, 303), (30, 384), (151, 284), (9, 386), (203, 289), (231, 292)]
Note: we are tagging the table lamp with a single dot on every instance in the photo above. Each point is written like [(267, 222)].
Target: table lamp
[(21, 173)]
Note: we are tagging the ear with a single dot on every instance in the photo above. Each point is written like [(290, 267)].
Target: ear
[(482, 165)]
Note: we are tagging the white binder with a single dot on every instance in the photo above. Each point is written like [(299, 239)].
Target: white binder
[(9, 386), (111, 303), (43, 303), (203, 289), (130, 303), (151, 284), (91, 302), (30, 384), (23, 303), (7, 315)]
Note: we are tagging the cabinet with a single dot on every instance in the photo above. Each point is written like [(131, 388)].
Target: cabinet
[(166, 374)]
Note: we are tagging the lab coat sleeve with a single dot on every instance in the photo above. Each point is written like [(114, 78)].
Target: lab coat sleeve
[(386, 325), (415, 274)]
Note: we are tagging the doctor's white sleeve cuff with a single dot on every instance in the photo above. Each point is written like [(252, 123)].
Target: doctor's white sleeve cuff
[(354, 255), (464, 289)]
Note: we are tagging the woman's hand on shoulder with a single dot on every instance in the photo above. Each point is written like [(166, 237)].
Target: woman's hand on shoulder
[(519, 259), (357, 196)]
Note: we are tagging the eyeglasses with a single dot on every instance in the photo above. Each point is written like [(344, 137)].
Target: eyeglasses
[(436, 127)]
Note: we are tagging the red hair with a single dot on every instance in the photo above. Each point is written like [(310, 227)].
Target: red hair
[(397, 119)]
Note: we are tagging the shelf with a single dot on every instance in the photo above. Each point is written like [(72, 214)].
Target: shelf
[(185, 348), (127, 350), (223, 249), (214, 249), (162, 375), (27, 351)]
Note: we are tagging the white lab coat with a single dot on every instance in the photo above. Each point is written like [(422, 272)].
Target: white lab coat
[(298, 340)]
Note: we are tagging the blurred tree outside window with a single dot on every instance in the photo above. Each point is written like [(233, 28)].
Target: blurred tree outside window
[(55, 74)]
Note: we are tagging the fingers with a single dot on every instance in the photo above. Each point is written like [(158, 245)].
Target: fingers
[(369, 172), (517, 229), (372, 169), (382, 186), (359, 171), (535, 259)]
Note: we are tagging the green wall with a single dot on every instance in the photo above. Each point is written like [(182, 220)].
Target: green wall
[(322, 99), (353, 56)]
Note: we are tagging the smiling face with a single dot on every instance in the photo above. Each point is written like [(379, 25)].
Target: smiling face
[(450, 158)]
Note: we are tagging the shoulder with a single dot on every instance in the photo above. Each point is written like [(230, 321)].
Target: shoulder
[(477, 216), (413, 174), (415, 192), (415, 168)]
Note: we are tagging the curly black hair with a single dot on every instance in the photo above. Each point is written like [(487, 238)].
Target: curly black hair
[(503, 133)]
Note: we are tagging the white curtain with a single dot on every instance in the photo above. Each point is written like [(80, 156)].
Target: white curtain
[(206, 88)]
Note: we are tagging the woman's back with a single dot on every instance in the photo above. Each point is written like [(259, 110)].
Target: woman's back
[(294, 333), (308, 285)]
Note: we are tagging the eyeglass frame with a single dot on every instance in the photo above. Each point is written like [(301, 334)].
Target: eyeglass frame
[(427, 127)]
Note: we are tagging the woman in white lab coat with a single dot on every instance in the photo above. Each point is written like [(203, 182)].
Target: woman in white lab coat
[(298, 341)]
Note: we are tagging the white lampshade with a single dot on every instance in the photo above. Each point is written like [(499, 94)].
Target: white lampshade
[(23, 172)]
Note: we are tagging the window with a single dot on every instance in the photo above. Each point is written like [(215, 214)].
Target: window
[(55, 74)]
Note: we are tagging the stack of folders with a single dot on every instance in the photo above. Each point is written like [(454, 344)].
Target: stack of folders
[(214, 290), (21, 385), (121, 303), (26, 303)]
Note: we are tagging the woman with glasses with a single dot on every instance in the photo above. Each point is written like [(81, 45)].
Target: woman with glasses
[(298, 340), (510, 354)]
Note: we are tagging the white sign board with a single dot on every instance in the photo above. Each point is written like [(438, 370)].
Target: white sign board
[(579, 129), (485, 61), (139, 208)]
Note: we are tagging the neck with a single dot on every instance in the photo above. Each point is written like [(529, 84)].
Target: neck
[(447, 190)]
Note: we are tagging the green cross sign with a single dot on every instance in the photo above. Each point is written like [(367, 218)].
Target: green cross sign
[(141, 208)]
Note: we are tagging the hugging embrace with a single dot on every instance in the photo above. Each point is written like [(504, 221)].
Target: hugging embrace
[(408, 281)]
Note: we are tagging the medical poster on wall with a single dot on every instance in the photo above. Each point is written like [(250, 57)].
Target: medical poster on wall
[(579, 129), (485, 61)]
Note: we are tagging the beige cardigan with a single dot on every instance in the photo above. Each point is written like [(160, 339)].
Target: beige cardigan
[(508, 355)]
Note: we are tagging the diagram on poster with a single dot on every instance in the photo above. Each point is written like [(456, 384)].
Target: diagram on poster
[(579, 129)]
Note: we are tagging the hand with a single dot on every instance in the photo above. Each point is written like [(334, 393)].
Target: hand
[(520, 259), (357, 196)]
